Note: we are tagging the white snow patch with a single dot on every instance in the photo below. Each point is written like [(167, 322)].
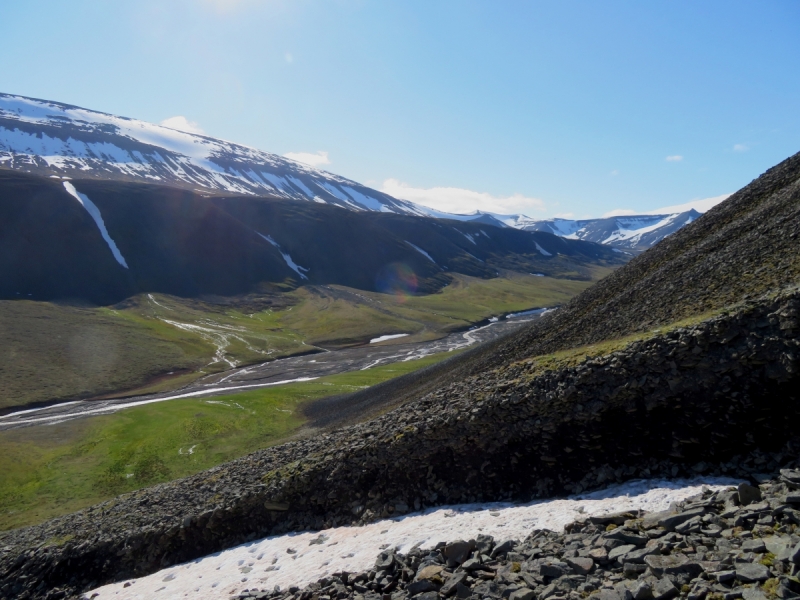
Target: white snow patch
[(383, 338), (468, 236), (94, 212), (366, 201), (632, 230), (421, 251), (268, 562), (291, 264), (541, 250), (300, 185)]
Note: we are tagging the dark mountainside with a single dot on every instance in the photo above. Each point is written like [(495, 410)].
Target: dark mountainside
[(189, 244), (692, 399)]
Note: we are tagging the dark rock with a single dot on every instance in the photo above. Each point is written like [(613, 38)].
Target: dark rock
[(385, 560), (756, 546), (620, 551), (503, 548), (554, 569), (522, 594), (581, 565), (643, 590), (421, 586), (664, 589), (450, 586), (484, 544), (637, 556), (471, 564), (753, 593), (633, 570), (748, 494), (752, 572), (457, 552), (671, 564)]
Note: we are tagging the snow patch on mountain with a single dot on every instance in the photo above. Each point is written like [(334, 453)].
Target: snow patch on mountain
[(421, 251), (94, 212), (288, 259), (304, 557)]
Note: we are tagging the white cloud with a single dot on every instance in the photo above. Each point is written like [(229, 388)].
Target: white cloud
[(461, 201), (310, 158), (740, 148), (289, 58), (619, 212), (614, 173), (674, 158), (700, 205), (182, 124)]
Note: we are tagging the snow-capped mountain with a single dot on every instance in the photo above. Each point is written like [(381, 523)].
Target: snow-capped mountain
[(59, 140), (634, 232), (55, 139)]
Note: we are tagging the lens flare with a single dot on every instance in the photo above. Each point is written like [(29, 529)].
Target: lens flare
[(398, 279)]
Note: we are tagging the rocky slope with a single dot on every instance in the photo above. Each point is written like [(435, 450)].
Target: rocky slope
[(688, 399), (739, 249), (738, 543)]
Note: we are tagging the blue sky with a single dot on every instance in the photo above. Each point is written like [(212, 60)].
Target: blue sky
[(546, 108)]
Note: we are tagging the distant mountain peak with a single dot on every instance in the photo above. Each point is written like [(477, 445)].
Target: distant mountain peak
[(62, 140)]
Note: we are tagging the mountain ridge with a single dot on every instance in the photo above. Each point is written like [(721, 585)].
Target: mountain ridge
[(56, 139), (181, 242)]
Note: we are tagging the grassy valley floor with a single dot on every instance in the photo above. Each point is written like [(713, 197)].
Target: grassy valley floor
[(46, 471), (154, 342)]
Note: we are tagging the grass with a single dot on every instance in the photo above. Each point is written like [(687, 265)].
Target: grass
[(153, 342), (46, 471), (538, 365)]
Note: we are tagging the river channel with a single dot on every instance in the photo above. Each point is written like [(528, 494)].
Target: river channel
[(277, 372)]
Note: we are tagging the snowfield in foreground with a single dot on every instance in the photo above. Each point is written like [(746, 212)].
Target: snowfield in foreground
[(302, 558)]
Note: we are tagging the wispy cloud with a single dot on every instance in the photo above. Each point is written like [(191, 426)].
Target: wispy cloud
[(288, 57), (614, 173), (740, 148), (183, 124), (674, 158), (619, 212), (701, 205), (459, 200), (314, 159)]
